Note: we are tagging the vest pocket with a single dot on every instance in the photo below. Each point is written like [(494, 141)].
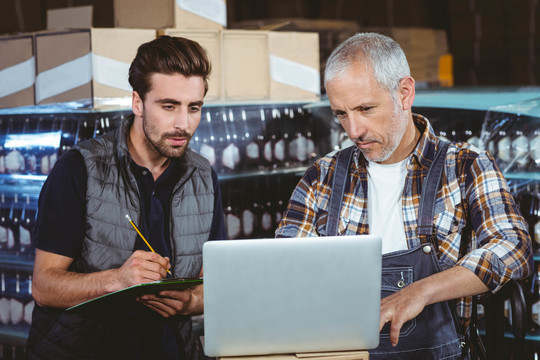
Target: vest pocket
[(394, 279)]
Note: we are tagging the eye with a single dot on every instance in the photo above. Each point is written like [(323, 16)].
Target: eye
[(367, 108), (340, 115), (195, 108), (168, 107)]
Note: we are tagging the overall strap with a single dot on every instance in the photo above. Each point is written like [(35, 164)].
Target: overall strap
[(429, 192), (341, 170), (429, 195)]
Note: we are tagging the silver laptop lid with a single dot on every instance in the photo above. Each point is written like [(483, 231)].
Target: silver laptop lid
[(268, 296)]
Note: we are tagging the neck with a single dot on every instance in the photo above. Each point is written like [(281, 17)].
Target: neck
[(408, 142), (142, 154)]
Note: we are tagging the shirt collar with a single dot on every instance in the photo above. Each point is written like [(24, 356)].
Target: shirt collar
[(424, 153)]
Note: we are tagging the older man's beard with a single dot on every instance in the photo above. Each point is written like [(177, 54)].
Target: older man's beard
[(397, 128), (160, 145)]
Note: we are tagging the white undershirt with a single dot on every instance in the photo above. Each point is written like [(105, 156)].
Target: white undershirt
[(385, 216)]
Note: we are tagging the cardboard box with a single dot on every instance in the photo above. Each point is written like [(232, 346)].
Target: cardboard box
[(17, 71), (210, 40), (331, 32), (271, 65), (75, 65), (180, 14), (76, 17)]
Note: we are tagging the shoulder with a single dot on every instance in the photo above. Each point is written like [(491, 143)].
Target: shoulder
[(71, 162), (464, 155), (198, 161), (473, 165), (98, 145)]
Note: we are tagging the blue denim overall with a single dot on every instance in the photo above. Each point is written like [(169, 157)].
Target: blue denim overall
[(434, 333)]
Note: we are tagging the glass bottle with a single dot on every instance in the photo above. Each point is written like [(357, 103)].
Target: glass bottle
[(504, 150), (520, 150), (231, 153), (28, 218), (535, 308), (4, 216), (14, 224), (207, 147), (534, 146), (280, 138), (253, 132)]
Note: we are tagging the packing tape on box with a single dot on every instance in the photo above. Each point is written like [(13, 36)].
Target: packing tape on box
[(214, 10), (64, 77), (111, 72), (295, 74), (75, 73), (17, 77)]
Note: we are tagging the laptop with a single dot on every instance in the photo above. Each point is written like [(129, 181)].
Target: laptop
[(292, 295)]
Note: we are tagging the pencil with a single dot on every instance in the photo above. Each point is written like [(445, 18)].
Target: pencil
[(142, 237)]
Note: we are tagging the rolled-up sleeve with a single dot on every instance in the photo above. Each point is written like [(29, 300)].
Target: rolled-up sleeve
[(299, 218), (503, 249)]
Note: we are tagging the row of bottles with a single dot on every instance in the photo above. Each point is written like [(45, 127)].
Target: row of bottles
[(17, 218), (232, 138), (16, 306), (30, 144), (16, 303), (12, 352), (513, 140), (247, 138), (254, 206)]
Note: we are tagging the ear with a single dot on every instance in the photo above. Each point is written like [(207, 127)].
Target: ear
[(137, 105), (406, 92)]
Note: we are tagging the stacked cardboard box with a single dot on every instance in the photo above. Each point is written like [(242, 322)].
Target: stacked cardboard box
[(90, 63), (258, 65), (331, 32), (184, 14), (17, 75), (75, 65)]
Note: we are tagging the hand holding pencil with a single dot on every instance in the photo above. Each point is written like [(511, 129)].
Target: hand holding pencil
[(142, 237)]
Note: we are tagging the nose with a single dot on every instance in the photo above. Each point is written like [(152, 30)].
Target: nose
[(181, 119), (355, 127)]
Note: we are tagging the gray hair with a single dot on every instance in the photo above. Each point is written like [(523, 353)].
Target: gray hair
[(382, 53)]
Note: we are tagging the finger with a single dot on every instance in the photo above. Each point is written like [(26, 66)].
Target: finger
[(158, 308), (395, 327), (383, 321), (152, 257), (180, 295), (174, 304)]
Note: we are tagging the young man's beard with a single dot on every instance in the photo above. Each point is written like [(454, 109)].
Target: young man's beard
[(160, 146)]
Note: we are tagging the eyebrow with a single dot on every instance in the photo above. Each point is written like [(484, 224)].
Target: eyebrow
[(176, 102)]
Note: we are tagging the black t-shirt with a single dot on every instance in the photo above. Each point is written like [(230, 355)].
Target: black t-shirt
[(138, 332)]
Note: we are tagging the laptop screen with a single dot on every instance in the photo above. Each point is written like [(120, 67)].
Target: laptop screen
[(291, 295)]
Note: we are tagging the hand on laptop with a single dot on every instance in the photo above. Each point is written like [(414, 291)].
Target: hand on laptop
[(407, 303)]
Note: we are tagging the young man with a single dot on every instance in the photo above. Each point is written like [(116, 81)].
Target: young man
[(85, 245), (371, 93)]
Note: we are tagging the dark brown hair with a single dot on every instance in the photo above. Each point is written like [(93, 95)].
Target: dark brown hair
[(168, 55)]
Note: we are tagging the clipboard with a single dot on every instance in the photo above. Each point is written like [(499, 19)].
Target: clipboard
[(120, 298)]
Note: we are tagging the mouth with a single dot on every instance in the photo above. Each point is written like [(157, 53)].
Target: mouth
[(177, 141), (365, 144)]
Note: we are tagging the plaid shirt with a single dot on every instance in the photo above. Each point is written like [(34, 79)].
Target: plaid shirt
[(474, 192)]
